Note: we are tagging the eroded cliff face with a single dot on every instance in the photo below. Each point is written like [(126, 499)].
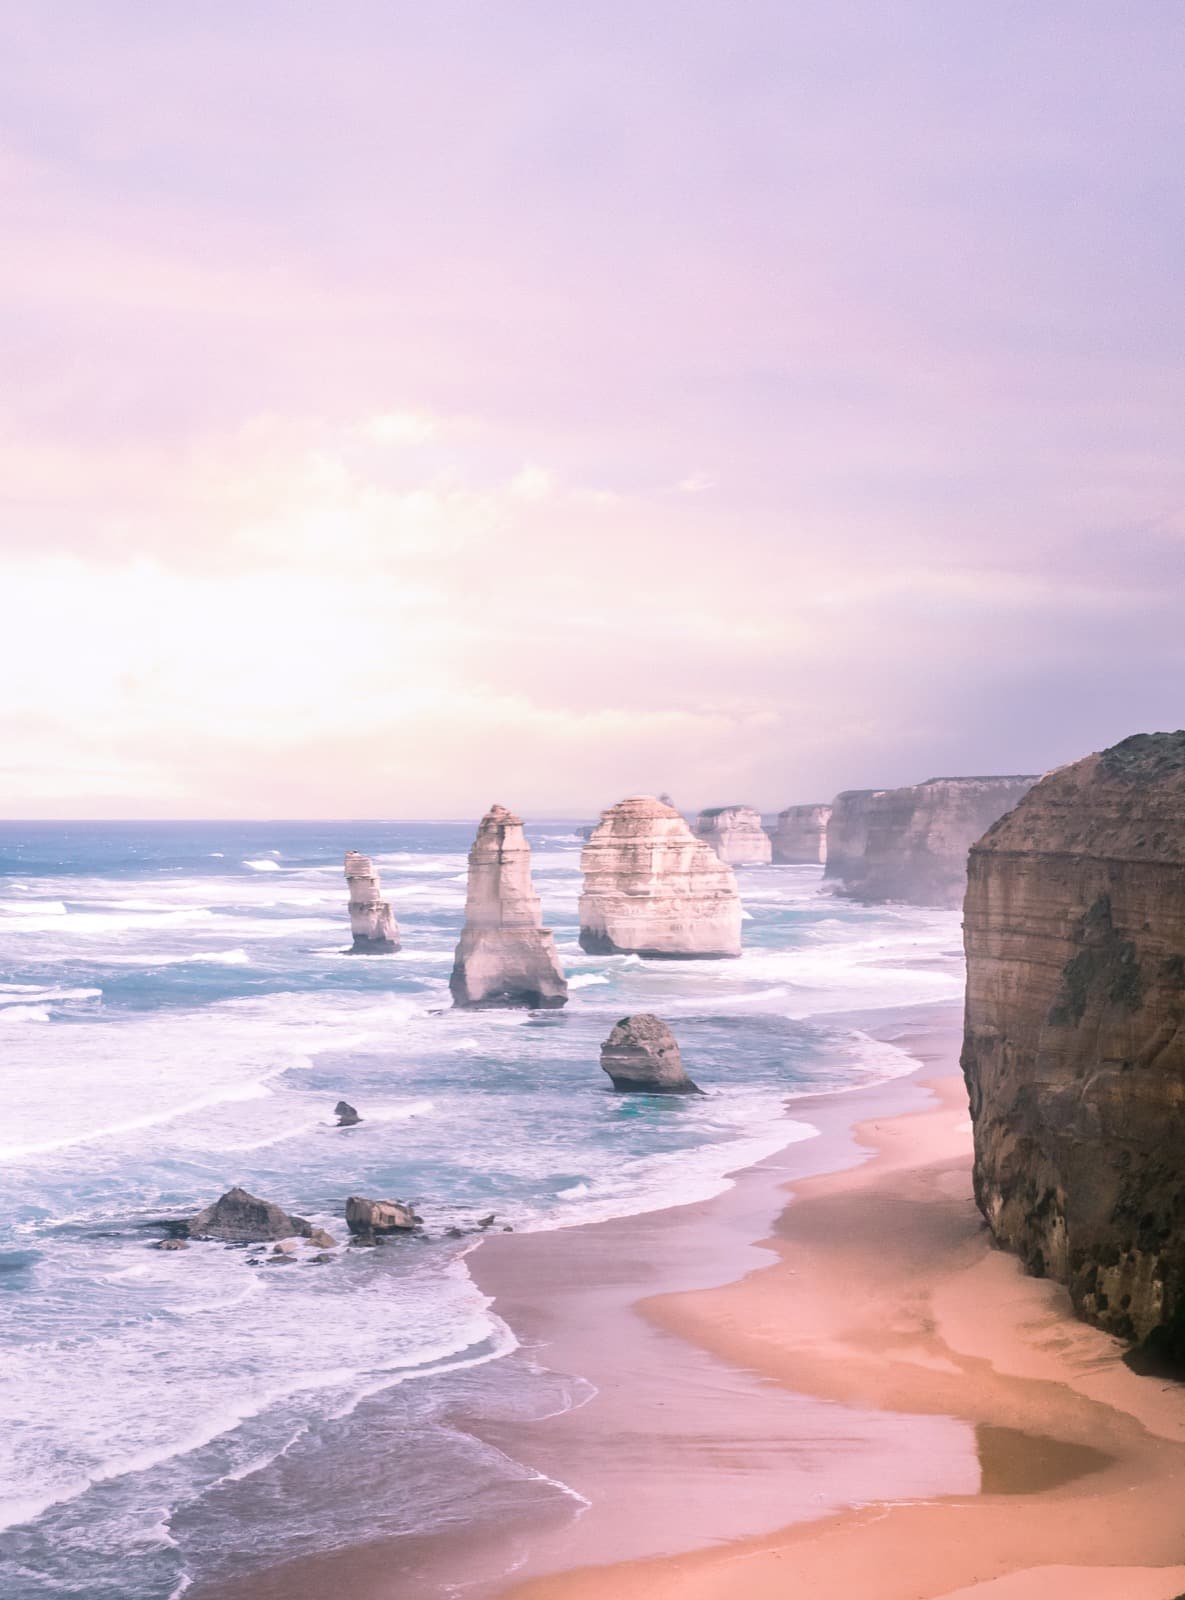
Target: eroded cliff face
[(800, 835), (506, 957), (847, 831), (1074, 1052), (652, 888), (736, 835), (917, 838), (371, 920)]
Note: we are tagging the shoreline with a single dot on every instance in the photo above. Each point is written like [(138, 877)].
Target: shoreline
[(678, 1446)]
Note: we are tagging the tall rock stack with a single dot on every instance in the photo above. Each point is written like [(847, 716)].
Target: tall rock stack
[(506, 956), (1074, 1052), (736, 835), (800, 836), (847, 831), (652, 888), (917, 838), (371, 922)]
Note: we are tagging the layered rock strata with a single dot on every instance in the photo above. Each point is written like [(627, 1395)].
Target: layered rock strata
[(736, 835), (641, 1055), (652, 888), (506, 957), (847, 832), (1074, 1051), (799, 837), (371, 921), (917, 838)]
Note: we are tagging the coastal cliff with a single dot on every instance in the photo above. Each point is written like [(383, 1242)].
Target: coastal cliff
[(652, 888), (847, 832), (799, 837), (916, 839), (736, 835), (371, 921), (1074, 1050), (506, 957)]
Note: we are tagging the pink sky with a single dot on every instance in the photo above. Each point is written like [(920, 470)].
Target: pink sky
[(412, 405)]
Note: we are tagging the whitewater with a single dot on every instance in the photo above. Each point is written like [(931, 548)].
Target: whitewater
[(178, 1014)]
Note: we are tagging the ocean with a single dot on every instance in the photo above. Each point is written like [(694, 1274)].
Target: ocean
[(178, 1014)]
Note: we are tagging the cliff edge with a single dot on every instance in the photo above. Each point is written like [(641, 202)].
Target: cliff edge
[(1074, 1050)]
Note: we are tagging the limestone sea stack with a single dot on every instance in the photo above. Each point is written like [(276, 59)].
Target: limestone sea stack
[(651, 888), (917, 838), (1074, 1052), (506, 956), (371, 922), (642, 1055), (799, 837), (736, 835)]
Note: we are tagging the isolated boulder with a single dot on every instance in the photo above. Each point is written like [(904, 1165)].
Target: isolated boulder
[(641, 1054), (345, 1114), (367, 1219), (241, 1218)]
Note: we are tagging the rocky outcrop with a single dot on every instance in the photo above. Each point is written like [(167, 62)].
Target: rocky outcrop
[(799, 837), (371, 921), (917, 838), (1074, 1052), (242, 1218), (506, 956), (641, 1055), (847, 832), (736, 835), (346, 1115), (652, 888), (370, 1219)]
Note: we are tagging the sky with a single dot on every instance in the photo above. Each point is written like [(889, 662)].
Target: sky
[(408, 407)]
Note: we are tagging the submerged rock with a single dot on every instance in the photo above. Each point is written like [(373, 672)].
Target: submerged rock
[(368, 1219), (346, 1116), (736, 835), (1074, 1050), (653, 889), (242, 1218), (799, 837), (641, 1054), (171, 1244), (506, 957), (917, 838), (371, 920)]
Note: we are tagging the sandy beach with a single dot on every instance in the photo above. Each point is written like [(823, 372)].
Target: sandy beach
[(824, 1382)]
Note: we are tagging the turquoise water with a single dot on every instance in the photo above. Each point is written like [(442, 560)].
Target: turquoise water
[(177, 1014)]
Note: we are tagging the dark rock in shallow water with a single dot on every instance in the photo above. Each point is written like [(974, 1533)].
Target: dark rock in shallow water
[(641, 1054), (368, 1219), (242, 1218), (171, 1244), (319, 1239), (345, 1114)]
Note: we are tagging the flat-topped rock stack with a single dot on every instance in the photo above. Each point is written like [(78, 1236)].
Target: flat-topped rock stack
[(736, 834), (371, 921), (1074, 1051), (917, 838), (506, 957), (799, 837), (651, 888)]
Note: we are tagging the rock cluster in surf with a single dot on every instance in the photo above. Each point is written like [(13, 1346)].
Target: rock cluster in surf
[(799, 837), (371, 921), (652, 888), (505, 956), (1074, 1052), (736, 834), (241, 1218), (641, 1054)]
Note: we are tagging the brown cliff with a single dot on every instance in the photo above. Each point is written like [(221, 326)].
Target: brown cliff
[(1074, 1052), (917, 838), (847, 831)]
